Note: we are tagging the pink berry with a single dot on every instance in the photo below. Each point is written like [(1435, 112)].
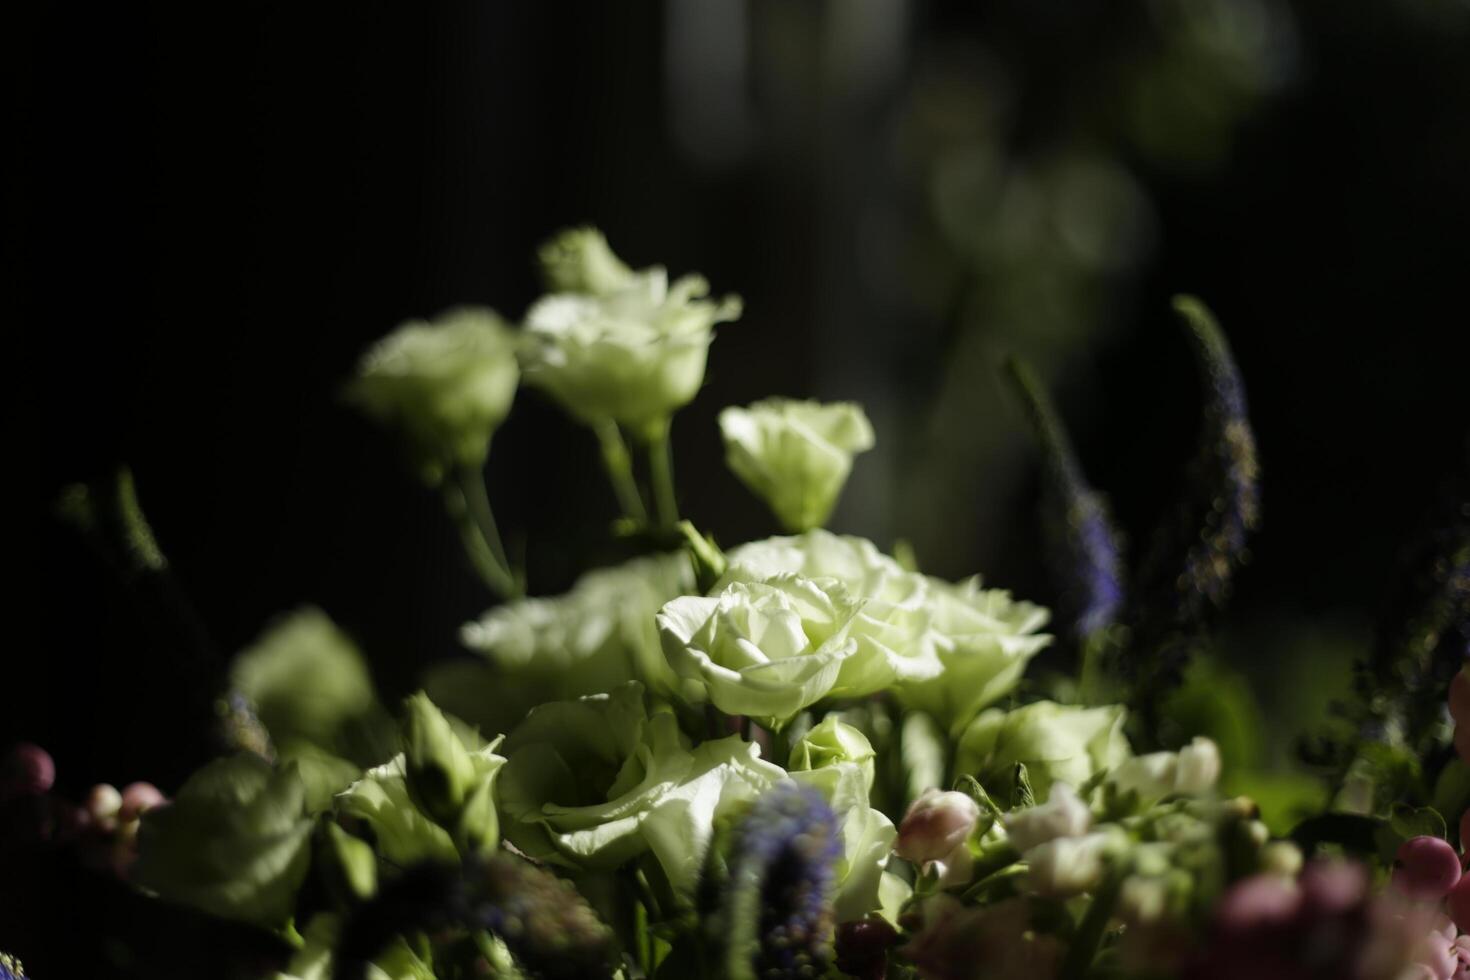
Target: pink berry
[(138, 798), (1457, 904), (1425, 868), (1460, 699), (103, 804), (29, 771), (1333, 887)]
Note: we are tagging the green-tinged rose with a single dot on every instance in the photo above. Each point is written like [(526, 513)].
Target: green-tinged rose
[(591, 639), (831, 743), (949, 649), (593, 783), (234, 842), (579, 260), (631, 350), (1056, 743), (405, 833), (867, 835), (795, 455), (763, 649), (445, 386), (985, 639), (307, 682)]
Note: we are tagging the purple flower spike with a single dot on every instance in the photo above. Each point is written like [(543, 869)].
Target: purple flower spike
[(1081, 542), (782, 876)]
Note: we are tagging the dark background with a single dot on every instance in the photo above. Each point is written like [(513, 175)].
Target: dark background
[(216, 208)]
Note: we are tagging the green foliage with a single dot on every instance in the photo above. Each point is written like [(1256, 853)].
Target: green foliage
[(234, 842)]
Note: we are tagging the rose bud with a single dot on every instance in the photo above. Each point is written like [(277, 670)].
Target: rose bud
[(1425, 868), (29, 771), (936, 824)]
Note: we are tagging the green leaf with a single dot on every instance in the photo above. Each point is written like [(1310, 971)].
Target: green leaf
[(1022, 795), (1408, 822), (234, 842)]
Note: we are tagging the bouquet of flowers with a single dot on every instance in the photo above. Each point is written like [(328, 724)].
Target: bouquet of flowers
[(799, 756)]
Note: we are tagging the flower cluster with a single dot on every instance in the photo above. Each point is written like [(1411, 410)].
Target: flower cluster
[(798, 757)]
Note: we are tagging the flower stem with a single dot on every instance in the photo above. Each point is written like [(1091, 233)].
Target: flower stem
[(469, 508), (661, 471), (619, 465), (1091, 930)]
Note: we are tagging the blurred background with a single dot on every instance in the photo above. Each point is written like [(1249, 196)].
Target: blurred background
[(216, 209)]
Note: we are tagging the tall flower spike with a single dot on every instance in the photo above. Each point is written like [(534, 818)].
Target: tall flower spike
[(1194, 557), (1196, 549), (782, 876), (1082, 543), (10, 968)]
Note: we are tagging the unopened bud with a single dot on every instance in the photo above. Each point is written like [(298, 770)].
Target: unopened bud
[(936, 823), (437, 766)]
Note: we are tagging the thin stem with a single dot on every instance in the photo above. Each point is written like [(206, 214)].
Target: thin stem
[(1093, 927), (661, 472), (478, 497), (619, 465), (476, 544)]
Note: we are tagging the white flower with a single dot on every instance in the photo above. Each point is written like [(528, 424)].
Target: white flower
[(628, 349), (1198, 769), (445, 386), (1191, 771), (763, 649), (948, 649), (1062, 815), (984, 639), (795, 455), (592, 638), (1069, 866)]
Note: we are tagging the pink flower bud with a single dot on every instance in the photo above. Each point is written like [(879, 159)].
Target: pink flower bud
[(1425, 868), (138, 798), (937, 823), (29, 771)]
